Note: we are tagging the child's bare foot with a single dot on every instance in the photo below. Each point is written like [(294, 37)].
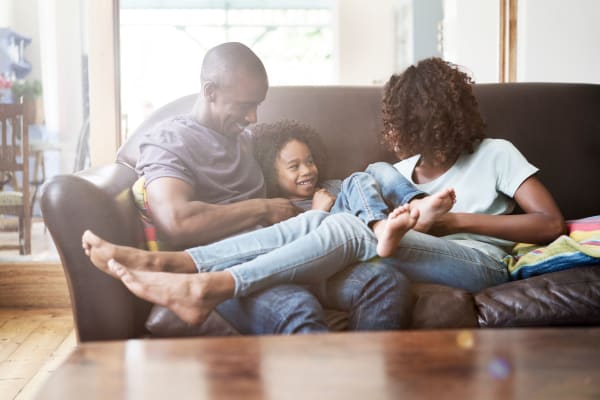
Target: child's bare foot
[(101, 251), (389, 232), (191, 297), (432, 207)]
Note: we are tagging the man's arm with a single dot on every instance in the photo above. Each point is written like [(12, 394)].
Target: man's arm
[(542, 221), (186, 223)]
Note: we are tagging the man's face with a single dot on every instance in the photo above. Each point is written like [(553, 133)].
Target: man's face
[(234, 106)]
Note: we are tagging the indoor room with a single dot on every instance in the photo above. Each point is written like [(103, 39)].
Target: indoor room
[(84, 83)]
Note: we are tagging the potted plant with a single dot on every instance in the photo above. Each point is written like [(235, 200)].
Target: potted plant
[(5, 89), (29, 93)]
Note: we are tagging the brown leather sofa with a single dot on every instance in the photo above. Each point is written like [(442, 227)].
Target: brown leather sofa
[(556, 126)]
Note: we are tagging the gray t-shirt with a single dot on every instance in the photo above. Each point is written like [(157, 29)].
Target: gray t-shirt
[(221, 169), (333, 186)]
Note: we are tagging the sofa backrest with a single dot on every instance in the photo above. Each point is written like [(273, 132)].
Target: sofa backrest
[(555, 125)]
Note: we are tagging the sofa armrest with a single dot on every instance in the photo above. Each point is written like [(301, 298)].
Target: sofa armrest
[(97, 199)]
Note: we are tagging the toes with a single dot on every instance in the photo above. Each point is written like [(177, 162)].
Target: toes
[(90, 238)]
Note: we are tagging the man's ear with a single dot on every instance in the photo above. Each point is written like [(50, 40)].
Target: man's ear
[(209, 90)]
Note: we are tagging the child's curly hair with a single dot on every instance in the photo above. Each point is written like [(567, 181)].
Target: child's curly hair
[(430, 109), (269, 139)]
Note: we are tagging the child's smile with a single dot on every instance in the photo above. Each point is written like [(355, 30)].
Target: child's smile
[(297, 174)]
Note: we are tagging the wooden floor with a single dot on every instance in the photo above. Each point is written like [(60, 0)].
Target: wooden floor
[(36, 325), (33, 343)]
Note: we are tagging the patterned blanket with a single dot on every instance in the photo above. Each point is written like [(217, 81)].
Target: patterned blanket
[(580, 247)]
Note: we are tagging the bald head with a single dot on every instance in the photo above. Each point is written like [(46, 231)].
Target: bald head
[(224, 63)]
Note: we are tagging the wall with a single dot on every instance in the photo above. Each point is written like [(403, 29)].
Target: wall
[(427, 14), (6, 13), (365, 38), (471, 37), (25, 21), (558, 41), (61, 51)]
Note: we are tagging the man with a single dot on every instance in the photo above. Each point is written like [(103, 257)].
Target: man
[(203, 184)]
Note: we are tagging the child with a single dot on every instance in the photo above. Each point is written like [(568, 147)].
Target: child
[(292, 158)]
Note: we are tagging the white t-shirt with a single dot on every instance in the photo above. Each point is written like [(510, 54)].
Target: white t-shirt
[(485, 183)]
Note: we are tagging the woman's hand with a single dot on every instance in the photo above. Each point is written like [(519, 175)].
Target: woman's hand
[(323, 200), (540, 223)]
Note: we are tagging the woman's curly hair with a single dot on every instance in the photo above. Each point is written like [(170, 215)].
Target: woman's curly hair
[(430, 109), (269, 139)]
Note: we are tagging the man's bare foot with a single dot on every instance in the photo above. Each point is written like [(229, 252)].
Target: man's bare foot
[(100, 251), (191, 297), (432, 207), (389, 232)]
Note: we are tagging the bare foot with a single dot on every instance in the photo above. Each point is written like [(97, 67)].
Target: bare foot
[(432, 207), (191, 297), (101, 251), (389, 232)]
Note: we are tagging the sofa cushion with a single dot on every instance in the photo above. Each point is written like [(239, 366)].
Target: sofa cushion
[(437, 306), (162, 322), (570, 297)]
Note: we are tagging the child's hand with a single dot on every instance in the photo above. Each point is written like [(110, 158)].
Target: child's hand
[(323, 200)]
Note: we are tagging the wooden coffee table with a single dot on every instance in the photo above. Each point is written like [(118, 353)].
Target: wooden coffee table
[(469, 364)]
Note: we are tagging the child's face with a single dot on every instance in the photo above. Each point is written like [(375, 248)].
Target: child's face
[(297, 174)]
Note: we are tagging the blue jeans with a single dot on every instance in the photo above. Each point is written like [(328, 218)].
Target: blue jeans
[(306, 249), (424, 258), (375, 296), (311, 247), (372, 194)]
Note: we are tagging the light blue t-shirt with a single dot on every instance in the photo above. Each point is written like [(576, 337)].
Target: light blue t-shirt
[(485, 183)]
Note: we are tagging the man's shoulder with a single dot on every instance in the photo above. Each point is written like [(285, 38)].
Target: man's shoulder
[(182, 130)]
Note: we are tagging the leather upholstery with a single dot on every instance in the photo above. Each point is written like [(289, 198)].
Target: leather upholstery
[(555, 125)]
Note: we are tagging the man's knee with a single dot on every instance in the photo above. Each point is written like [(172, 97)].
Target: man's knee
[(284, 309), (379, 278), (375, 294)]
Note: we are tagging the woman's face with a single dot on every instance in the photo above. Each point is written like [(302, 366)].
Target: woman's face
[(297, 173)]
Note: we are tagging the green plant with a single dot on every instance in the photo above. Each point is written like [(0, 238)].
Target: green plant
[(26, 89)]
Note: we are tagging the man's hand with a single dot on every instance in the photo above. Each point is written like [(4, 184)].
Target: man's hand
[(323, 200), (279, 209)]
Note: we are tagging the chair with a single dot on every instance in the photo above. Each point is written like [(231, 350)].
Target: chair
[(14, 156)]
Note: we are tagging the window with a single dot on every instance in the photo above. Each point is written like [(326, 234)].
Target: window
[(163, 43)]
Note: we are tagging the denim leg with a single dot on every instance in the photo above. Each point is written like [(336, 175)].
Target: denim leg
[(360, 196), (393, 186), (340, 240), (285, 309), (375, 295), (247, 246), (425, 258)]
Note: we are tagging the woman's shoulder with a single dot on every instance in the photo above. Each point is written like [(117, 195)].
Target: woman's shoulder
[(496, 145)]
